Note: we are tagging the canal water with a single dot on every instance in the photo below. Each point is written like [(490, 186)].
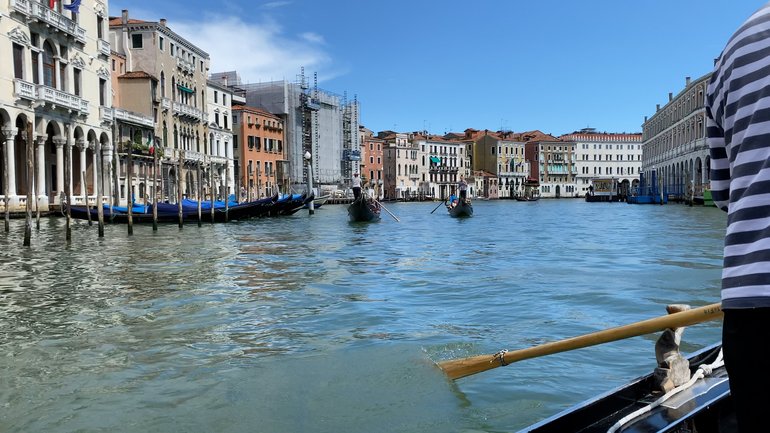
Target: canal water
[(311, 323)]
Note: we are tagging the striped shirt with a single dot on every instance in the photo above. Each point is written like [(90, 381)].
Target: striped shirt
[(738, 136)]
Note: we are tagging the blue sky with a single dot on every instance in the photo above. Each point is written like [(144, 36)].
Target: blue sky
[(556, 66)]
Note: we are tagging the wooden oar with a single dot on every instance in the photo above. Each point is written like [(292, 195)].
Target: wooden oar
[(439, 205), (386, 210), (457, 368)]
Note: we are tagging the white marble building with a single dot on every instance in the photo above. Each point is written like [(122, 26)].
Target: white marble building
[(54, 95)]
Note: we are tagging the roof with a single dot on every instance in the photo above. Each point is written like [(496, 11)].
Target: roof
[(137, 74), (117, 21), (254, 110)]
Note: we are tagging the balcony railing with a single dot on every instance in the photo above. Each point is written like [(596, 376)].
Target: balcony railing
[(165, 103), (188, 111), (62, 99), (131, 117), (104, 47), (24, 90), (106, 114), (50, 17), (184, 65)]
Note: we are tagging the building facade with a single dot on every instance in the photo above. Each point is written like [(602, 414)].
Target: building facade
[(179, 104), (401, 167), (317, 122), (219, 100), (674, 142), (260, 152), (552, 165), (606, 155), (54, 98), (372, 160)]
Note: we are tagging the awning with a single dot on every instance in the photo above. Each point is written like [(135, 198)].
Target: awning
[(184, 89), (435, 160)]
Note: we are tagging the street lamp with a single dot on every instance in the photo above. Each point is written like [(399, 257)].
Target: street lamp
[(311, 205)]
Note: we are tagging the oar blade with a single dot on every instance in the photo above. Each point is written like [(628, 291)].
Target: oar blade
[(458, 368)]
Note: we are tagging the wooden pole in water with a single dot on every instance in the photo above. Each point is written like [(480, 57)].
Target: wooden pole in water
[(199, 192), (84, 185), (155, 189), (211, 188), (227, 191), (99, 188), (179, 188), (36, 193), (6, 187), (130, 186), (68, 183), (30, 180)]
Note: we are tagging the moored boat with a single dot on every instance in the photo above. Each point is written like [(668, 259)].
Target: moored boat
[(637, 407), (363, 210), (460, 208)]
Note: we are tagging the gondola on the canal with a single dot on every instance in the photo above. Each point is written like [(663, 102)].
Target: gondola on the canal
[(363, 210), (169, 212), (460, 208), (705, 406)]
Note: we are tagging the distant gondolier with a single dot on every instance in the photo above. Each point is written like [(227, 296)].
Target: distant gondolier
[(356, 184), (462, 186)]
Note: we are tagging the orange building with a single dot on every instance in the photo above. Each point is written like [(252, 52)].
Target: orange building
[(258, 146), (371, 158)]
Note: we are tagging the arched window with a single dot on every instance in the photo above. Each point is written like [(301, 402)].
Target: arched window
[(173, 89), (162, 84), (49, 65)]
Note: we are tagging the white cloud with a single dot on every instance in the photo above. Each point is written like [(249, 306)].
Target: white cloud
[(258, 51)]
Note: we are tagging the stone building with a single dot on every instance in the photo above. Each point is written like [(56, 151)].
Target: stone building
[(179, 103), (54, 97), (675, 142)]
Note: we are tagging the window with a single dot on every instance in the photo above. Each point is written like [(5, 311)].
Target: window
[(224, 99), (235, 141), (113, 65), (225, 119), (49, 66), (216, 118), (76, 82), (136, 40), (18, 61), (173, 49), (216, 97), (102, 91), (161, 42), (35, 62), (99, 27)]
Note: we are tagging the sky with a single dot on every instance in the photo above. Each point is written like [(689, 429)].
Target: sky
[(441, 66)]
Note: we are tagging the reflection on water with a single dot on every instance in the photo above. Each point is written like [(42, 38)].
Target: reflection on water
[(314, 323)]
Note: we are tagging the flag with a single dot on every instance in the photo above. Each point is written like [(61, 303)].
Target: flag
[(74, 6), (51, 3), (150, 143)]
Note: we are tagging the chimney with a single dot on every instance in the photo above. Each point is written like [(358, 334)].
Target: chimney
[(686, 81), (124, 17), (657, 107), (645, 119), (670, 96), (163, 22)]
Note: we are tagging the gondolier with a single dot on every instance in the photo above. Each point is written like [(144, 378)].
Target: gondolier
[(736, 133), (356, 184), (462, 186)]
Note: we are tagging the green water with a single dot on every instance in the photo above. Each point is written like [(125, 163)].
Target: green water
[(311, 323)]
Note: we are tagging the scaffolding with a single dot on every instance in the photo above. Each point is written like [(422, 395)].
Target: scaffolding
[(308, 114), (351, 154)]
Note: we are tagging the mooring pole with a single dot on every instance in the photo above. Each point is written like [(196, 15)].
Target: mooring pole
[(30, 180), (99, 185)]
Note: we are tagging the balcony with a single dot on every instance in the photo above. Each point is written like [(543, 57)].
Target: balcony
[(106, 114), (184, 65), (33, 10), (24, 90), (104, 47), (165, 103), (131, 117), (188, 111), (57, 98)]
